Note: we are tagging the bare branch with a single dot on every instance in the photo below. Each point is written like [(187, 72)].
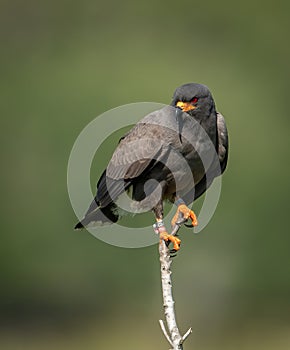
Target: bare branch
[(173, 335), (165, 332), (187, 334)]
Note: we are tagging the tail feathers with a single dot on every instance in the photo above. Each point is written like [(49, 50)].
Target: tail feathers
[(99, 217), (79, 226)]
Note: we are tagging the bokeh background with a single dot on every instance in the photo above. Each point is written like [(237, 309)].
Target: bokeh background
[(64, 63)]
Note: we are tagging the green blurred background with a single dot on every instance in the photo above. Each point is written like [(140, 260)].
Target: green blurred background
[(65, 62)]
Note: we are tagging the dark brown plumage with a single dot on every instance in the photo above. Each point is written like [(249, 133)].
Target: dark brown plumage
[(165, 156)]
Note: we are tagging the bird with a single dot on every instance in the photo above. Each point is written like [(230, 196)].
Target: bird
[(172, 154)]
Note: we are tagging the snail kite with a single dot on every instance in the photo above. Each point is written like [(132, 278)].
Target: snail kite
[(171, 154)]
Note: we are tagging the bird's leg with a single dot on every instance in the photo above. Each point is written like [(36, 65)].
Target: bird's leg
[(183, 213), (160, 228)]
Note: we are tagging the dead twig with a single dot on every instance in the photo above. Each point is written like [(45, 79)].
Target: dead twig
[(173, 335)]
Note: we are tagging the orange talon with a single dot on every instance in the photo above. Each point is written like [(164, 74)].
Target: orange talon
[(187, 214), (167, 237)]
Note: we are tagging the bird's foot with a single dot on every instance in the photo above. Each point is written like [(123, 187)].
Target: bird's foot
[(170, 238), (183, 214), (160, 229)]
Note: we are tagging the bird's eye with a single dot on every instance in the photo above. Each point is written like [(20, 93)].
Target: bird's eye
[(194, 100)]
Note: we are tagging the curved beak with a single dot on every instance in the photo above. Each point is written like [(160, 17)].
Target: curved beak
[(185, 106)]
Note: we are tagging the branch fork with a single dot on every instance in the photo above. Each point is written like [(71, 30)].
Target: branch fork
[(173, 335)]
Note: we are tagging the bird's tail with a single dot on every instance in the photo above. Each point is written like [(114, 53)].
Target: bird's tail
[(98, 217)]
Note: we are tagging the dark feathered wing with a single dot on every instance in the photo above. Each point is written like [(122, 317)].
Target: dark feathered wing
[(136, 153), (223, 142)]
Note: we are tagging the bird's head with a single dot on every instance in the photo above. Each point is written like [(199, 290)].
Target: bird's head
[(194, 99)]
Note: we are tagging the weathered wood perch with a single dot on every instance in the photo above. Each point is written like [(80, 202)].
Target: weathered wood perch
[(172, 335)]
